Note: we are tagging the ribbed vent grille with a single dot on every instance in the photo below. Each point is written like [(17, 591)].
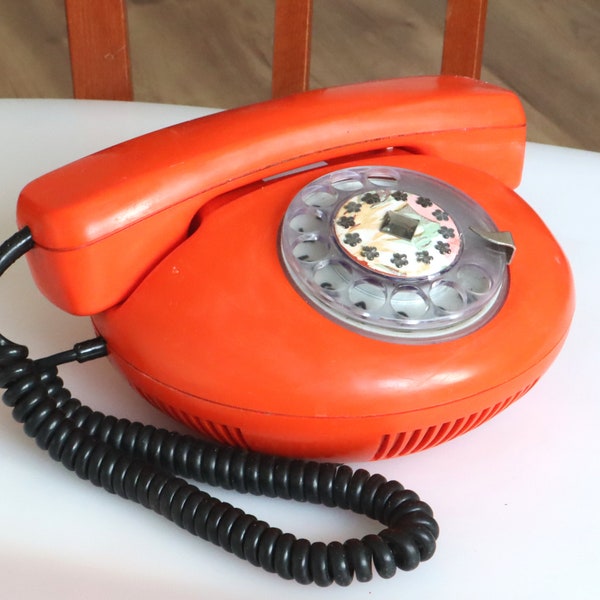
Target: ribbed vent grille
[(406, 442), (232, 436), (390, 445)]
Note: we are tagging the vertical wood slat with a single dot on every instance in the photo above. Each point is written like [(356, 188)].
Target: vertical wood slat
[(100, 62), (291, 46), (463, 37), (98, 45)]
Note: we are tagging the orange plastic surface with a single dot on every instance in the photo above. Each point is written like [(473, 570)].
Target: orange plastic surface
[(101, 223), (218, 337), (170, 241)]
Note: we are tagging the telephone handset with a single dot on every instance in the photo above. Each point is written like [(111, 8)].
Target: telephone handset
[(327, 276), (137, 200)]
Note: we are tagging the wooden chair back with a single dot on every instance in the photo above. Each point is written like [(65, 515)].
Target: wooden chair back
[(101, 66)]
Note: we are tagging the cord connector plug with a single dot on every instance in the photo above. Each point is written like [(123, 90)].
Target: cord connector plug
[(81, 352)]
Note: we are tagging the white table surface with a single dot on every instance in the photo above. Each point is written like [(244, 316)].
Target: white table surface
[(518, 499)]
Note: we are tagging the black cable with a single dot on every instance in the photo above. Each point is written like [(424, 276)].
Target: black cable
[(14, 247), (148, 465)]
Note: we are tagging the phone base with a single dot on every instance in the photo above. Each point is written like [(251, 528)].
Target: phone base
[(219, 337), (368, 437)]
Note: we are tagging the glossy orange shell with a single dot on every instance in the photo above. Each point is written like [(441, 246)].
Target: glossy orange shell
[(218, 337), (207, 326)]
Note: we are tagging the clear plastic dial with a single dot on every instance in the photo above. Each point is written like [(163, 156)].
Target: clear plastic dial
[(394, 254)]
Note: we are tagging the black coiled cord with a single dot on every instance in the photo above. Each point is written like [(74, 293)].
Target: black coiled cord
[(145, 464)]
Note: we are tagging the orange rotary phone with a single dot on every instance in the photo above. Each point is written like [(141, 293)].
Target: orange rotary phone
[(344, 273)]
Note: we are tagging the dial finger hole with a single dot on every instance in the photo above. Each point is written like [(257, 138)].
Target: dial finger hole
[(367, 295), (311, 250), (319, 197), (347, 182), (307, 222), (409, 303), (333, 276), (474, 279), (447, 297), (384, 178)]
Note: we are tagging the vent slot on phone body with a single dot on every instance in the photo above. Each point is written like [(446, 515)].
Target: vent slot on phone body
[(225, 434), (408, 442)]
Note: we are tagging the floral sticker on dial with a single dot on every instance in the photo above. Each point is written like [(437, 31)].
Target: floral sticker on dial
[(397, 233)]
